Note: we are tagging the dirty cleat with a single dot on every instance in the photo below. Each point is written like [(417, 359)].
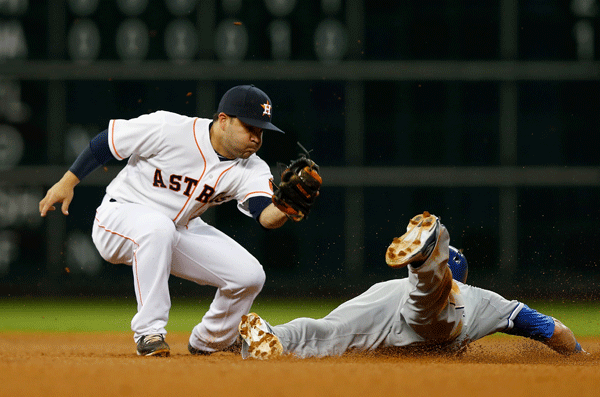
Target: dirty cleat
[(258, 339), (197, 352), (235, 347), (153, 345), (416, 244)]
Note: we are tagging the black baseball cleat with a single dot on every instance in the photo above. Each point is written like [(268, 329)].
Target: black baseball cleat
[(235, 347), (153, 345), (197, 352), (416, 244)]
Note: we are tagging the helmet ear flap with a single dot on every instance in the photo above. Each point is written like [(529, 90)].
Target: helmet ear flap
[(457, 262)]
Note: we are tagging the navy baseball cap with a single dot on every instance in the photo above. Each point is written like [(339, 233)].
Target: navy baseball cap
[(250, 105)]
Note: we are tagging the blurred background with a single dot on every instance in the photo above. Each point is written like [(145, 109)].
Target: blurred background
[(486, 113)]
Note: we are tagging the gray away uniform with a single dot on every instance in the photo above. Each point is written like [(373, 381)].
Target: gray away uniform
[(428, 308)]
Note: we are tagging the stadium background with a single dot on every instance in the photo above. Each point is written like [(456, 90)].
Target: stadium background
[(484, 113)]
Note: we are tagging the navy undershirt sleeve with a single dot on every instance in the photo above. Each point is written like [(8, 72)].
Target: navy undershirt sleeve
[(96, 154), (256, 205), (99, 146)]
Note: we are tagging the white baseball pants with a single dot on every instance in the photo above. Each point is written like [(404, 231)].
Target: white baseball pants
[(149, 242)]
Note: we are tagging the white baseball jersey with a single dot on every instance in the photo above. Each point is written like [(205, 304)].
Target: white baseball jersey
[(174, 169), (149, 220)]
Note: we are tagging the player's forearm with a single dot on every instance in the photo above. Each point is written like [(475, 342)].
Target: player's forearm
[(272, 218), (563, 340), (96, 154)]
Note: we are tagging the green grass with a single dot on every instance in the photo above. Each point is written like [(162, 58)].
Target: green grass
[(106, 315), (30, 315), (114, 315)]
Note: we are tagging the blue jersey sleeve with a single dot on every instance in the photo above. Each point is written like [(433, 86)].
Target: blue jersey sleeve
[(532, 324)]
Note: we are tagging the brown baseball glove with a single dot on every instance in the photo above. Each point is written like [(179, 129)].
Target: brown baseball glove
[(299, 187)]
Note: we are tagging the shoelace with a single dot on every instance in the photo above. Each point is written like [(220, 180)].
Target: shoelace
[(153, 338)]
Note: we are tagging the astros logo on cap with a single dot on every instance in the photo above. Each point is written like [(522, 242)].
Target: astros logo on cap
[(267, 108)]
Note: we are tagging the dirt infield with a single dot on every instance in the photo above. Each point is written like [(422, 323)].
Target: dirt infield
[(61, 364)]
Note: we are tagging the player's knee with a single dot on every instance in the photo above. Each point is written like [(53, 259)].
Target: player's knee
[(257, 280), (253, 281), (249, 280)]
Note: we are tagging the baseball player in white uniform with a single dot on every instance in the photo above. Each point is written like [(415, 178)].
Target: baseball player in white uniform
[(428, 310), (149, 219)]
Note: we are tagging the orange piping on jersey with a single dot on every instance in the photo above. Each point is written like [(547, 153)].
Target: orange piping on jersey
[(203, 171), (113, 140), (214, 187), (134, 257), (258, 191), (219, 178)]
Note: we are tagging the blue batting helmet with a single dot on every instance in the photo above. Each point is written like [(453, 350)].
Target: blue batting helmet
[(458, 265)]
